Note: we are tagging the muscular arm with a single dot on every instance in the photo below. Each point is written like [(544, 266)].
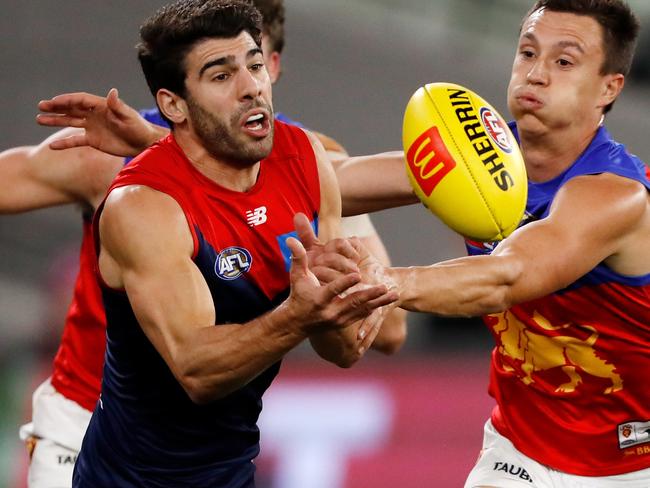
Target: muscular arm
[(174, 307), (582, 230), (34, 177), (389, 185)]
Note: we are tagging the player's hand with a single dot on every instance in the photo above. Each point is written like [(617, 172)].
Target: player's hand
[(333, 305), (109, 124), (332, 260), (327, 261)]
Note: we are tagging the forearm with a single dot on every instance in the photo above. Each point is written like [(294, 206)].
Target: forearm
[(23, 187), (153, 134), (341, 347), (389, 188), (218, 360), (464, 287)]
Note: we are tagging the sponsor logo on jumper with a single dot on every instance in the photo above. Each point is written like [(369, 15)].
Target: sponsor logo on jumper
[(528, 350), (256, 217), (475, 131), (513, 470), (232, 262), (633, 433)]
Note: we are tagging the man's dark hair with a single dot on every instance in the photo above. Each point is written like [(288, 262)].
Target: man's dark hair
[(273, 21), (620, 27), (168, 35)]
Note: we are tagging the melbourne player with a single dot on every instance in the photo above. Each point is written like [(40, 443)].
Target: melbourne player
[(36, 177)]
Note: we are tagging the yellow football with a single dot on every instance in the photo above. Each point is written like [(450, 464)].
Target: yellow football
[(463, 161)]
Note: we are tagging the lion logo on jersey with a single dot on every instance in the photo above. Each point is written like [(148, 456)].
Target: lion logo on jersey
[(527, 352)]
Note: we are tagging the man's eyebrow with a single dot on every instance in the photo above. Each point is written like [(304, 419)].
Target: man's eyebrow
[(562, 44), (227, 60), (574, 44), (216, 62)]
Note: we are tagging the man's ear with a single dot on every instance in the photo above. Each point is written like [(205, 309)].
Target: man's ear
[(612, 86), (274, 66), (172, 106)]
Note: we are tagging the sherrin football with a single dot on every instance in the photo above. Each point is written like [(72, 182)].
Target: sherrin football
[(463, 161)]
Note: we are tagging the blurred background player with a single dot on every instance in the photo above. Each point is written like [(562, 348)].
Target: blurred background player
[(36, 177)]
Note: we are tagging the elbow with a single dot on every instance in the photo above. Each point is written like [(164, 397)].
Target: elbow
[(347, 361), (202, 389), (392, 335), (343, 359), (197, 390)]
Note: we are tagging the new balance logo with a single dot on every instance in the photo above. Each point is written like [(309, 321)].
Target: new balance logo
[(256, 217)]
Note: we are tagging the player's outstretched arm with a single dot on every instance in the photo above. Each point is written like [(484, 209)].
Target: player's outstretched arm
[(375, 182), (582, 230), (108, 124), (34, 177), (174, 307)]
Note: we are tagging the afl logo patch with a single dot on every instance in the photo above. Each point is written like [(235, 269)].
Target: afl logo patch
[(233, 262), (496, 129)]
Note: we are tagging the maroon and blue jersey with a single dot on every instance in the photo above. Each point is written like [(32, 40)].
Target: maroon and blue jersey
[(145, 430), (571, 366)]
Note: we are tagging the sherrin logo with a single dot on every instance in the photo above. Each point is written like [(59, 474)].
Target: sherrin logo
[(496, 129), (232, 262)]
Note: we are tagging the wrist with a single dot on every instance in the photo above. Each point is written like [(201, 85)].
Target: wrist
[(399, 279), (287, 317), (155, 133)]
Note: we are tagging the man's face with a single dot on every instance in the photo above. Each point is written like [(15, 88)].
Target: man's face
[(229, 99), (556, 80)]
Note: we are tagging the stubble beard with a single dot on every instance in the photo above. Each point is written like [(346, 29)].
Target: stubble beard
[(219, 138)]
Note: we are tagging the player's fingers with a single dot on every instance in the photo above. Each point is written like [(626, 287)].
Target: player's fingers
[(356, 244), (339, 285), (304, 230), (113, 102), (79, 102), (325, 274), (69, 142), (337, 262), (58, 120), (298, 255), (359, 304), (368, 330), (343, 247)]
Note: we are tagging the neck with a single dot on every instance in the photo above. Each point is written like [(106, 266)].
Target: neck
[(549, 154), (228, 174)]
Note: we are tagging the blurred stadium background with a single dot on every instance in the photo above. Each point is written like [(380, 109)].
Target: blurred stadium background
[(350, 66)]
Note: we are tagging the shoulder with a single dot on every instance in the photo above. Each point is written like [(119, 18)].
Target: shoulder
[(142, 215), (614, 205), (141, 207)]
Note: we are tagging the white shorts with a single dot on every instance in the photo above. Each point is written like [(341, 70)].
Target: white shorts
[(53, 437), (501, 465)]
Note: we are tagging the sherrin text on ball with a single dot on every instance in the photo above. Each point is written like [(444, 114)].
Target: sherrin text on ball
[(463, 161)]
